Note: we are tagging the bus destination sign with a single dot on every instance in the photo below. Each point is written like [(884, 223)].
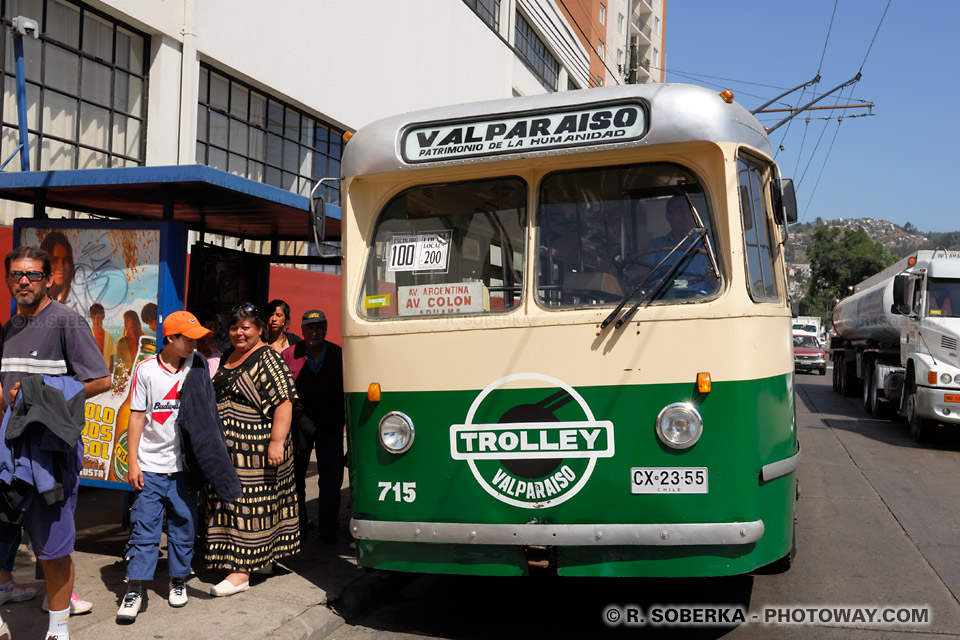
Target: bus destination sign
[(609, 123)]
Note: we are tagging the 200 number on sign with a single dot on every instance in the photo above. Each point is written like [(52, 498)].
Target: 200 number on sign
[(645, 480)]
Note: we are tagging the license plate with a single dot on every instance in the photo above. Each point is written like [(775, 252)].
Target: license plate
[(951, 397), (645, 480)]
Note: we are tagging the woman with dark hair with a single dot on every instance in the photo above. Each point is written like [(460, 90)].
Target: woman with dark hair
[(278, 321), (129, 343), (61, 265), (255, 397)]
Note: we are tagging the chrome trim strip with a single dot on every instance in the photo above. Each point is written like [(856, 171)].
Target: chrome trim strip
[(781, 468), (675, 534)]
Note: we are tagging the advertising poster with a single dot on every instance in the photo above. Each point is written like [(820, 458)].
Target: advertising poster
[(110, 276)]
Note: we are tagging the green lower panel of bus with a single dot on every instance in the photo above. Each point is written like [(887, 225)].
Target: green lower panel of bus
[(577, 478)]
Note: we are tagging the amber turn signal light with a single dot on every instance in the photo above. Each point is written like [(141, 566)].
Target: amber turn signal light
[(703, 382), (373, 392), (932, 377)]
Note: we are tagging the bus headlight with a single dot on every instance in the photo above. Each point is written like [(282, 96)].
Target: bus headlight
[(679, 425), (395, 432), (946, 378)]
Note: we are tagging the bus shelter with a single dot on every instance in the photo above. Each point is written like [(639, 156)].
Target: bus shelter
[(128, 267)]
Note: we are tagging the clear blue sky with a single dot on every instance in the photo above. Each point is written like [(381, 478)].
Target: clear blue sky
[(903, 163)]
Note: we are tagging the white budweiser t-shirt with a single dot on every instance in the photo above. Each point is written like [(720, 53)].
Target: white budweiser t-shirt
[(155, 393)]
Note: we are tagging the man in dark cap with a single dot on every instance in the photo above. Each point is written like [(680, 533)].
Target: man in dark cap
[(317, 367)]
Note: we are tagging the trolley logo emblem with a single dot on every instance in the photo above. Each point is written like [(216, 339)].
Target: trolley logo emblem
[(534, 455), (571, 127)]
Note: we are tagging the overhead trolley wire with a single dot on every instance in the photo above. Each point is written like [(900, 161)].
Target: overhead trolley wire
[(829, 29), (823, 55), (875, 34), (840, 120)]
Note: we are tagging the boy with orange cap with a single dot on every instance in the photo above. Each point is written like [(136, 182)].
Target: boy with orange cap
[(156, 466)]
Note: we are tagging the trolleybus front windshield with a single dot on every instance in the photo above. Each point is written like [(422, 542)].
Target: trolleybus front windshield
[(448, 249), (604, 232)]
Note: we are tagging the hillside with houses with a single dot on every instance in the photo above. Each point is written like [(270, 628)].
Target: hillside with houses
[(900, 240)]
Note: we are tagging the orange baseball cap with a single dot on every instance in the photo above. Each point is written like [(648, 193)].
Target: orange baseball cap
[(184, 323)]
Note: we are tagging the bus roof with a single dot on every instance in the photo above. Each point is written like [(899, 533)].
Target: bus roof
[(551, 124)]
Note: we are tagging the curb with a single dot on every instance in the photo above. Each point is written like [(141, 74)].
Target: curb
[(315, 623), (319, 621), (363, 594)]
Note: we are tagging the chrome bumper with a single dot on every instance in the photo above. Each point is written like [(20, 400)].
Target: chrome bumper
[(664, 535), (930, 404), (780, 468)]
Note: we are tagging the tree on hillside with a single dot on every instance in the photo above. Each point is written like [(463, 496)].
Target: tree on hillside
[(839, 258)]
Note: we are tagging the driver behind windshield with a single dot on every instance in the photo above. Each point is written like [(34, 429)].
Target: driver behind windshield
[(695, 276)]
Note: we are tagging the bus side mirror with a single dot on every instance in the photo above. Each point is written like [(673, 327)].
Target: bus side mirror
[(318, 220), (788, 199), (901, 296)]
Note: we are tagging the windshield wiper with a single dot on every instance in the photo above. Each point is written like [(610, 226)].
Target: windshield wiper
[(657, 284), (700, 230)]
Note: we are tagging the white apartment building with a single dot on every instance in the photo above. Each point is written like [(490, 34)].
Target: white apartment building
[(643, 22)]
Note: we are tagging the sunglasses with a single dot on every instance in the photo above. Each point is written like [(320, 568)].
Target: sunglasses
[(248, 309), (32, 276)]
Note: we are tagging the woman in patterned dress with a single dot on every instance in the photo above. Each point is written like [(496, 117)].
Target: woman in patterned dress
[(255, 396)]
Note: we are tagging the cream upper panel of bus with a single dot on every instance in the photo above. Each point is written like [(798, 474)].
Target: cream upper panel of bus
[(671, 113)]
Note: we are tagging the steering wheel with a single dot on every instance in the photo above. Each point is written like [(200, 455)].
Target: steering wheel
[(639, 258), (642, 259)]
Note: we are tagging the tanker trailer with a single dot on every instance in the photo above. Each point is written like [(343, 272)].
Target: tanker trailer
[(897, 342)]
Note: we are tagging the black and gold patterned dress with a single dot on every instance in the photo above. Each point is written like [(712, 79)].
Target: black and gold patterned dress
[(264, 524)]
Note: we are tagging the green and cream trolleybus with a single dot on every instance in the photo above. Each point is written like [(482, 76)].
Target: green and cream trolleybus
[(566, 337)]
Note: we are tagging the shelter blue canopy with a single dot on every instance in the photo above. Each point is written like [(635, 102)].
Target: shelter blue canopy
[(206, 199)]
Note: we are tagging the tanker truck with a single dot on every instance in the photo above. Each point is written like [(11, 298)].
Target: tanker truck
[(896, 342)]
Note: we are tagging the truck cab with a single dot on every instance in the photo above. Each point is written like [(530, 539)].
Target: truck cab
[(928, 298)]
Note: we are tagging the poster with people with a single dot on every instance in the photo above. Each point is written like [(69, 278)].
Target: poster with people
[(110, 276)]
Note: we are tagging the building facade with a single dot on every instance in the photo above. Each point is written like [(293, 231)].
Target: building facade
[(266, 91), (643, 23)]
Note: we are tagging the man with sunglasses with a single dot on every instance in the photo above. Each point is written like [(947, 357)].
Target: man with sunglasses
[(48, 338)]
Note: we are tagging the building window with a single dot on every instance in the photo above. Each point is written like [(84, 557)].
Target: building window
[(535, 54), (656, 24), (603, 14), (600, 49), (488, 10), (599, 81), (621, 24), (620, 58), (86, 84), (252, 134)]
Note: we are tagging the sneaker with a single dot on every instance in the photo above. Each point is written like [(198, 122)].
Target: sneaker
[(178, 592), (129, 608), (77, 605), (17, 593)]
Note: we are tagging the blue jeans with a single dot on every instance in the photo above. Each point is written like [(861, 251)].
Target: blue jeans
[(10, 535), (170, 491)]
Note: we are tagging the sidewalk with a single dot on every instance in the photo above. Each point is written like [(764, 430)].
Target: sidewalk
[(290, 604)]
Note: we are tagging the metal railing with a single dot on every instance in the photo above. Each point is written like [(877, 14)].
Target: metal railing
[(642, 26)]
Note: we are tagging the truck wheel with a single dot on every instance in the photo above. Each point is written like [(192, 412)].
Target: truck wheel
[(867, 384), (823, 371), (920, 428), (877, 407), (848, 379)]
